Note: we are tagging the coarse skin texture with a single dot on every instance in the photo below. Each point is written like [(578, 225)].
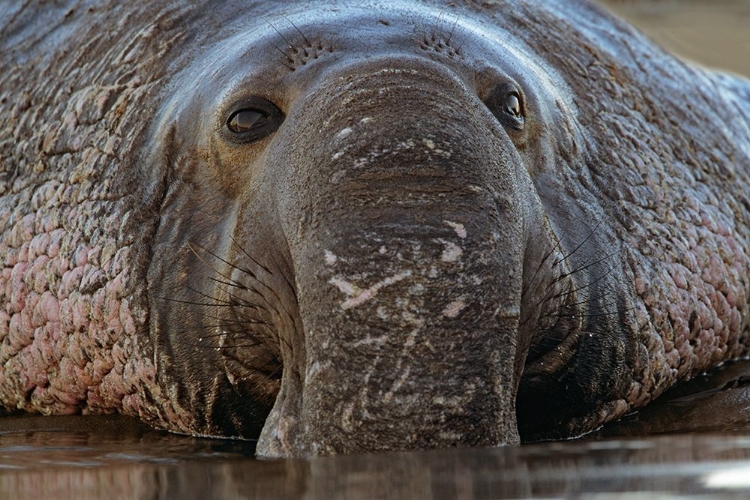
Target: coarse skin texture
[(396, 262), (75, 217)]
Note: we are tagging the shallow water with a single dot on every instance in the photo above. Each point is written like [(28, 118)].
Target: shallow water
[(118, 457), (58, 458), (105, 463)]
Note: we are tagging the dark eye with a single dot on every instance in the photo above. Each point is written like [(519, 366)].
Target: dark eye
[(252, 119), (245, 119), (513, 105), (506, 103)]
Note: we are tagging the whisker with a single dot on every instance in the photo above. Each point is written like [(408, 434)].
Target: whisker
[(452, 32), (587, 285), (222, 324), (279, 33), (591, 233), (291, 286), (588, 265), (190, 246), (246, 271), (437, 24), (556, 247), (250, 256), (192, 303), (592, 315), (298, 31)]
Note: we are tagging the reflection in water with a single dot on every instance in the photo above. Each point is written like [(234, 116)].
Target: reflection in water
[(62, 464), (58, 458)]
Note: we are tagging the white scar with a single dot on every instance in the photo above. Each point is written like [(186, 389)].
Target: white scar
[(357, 296), (458, 228)]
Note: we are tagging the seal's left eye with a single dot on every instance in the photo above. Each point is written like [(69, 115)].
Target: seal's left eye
[(252, 119), (244, 120)]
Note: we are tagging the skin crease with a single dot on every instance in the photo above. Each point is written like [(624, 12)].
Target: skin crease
[(394, 258)]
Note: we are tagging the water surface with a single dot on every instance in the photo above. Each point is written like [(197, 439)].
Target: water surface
[(102, 463)]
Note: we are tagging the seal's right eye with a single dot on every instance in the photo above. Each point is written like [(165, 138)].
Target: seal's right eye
[(252, 119), (513, 105), (507, 104)]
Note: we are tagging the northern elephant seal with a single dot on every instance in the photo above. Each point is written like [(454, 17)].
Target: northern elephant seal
[(353, 226)]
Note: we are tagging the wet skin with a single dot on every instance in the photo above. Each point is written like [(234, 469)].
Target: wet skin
[(363, 228)]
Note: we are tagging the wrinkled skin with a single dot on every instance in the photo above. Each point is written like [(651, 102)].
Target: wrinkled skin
[(396, 260)]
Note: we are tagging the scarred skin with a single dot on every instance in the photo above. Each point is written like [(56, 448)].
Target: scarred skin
[(396, 261)]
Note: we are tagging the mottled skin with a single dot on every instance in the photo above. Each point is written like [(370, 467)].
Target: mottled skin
[(394, 264)]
